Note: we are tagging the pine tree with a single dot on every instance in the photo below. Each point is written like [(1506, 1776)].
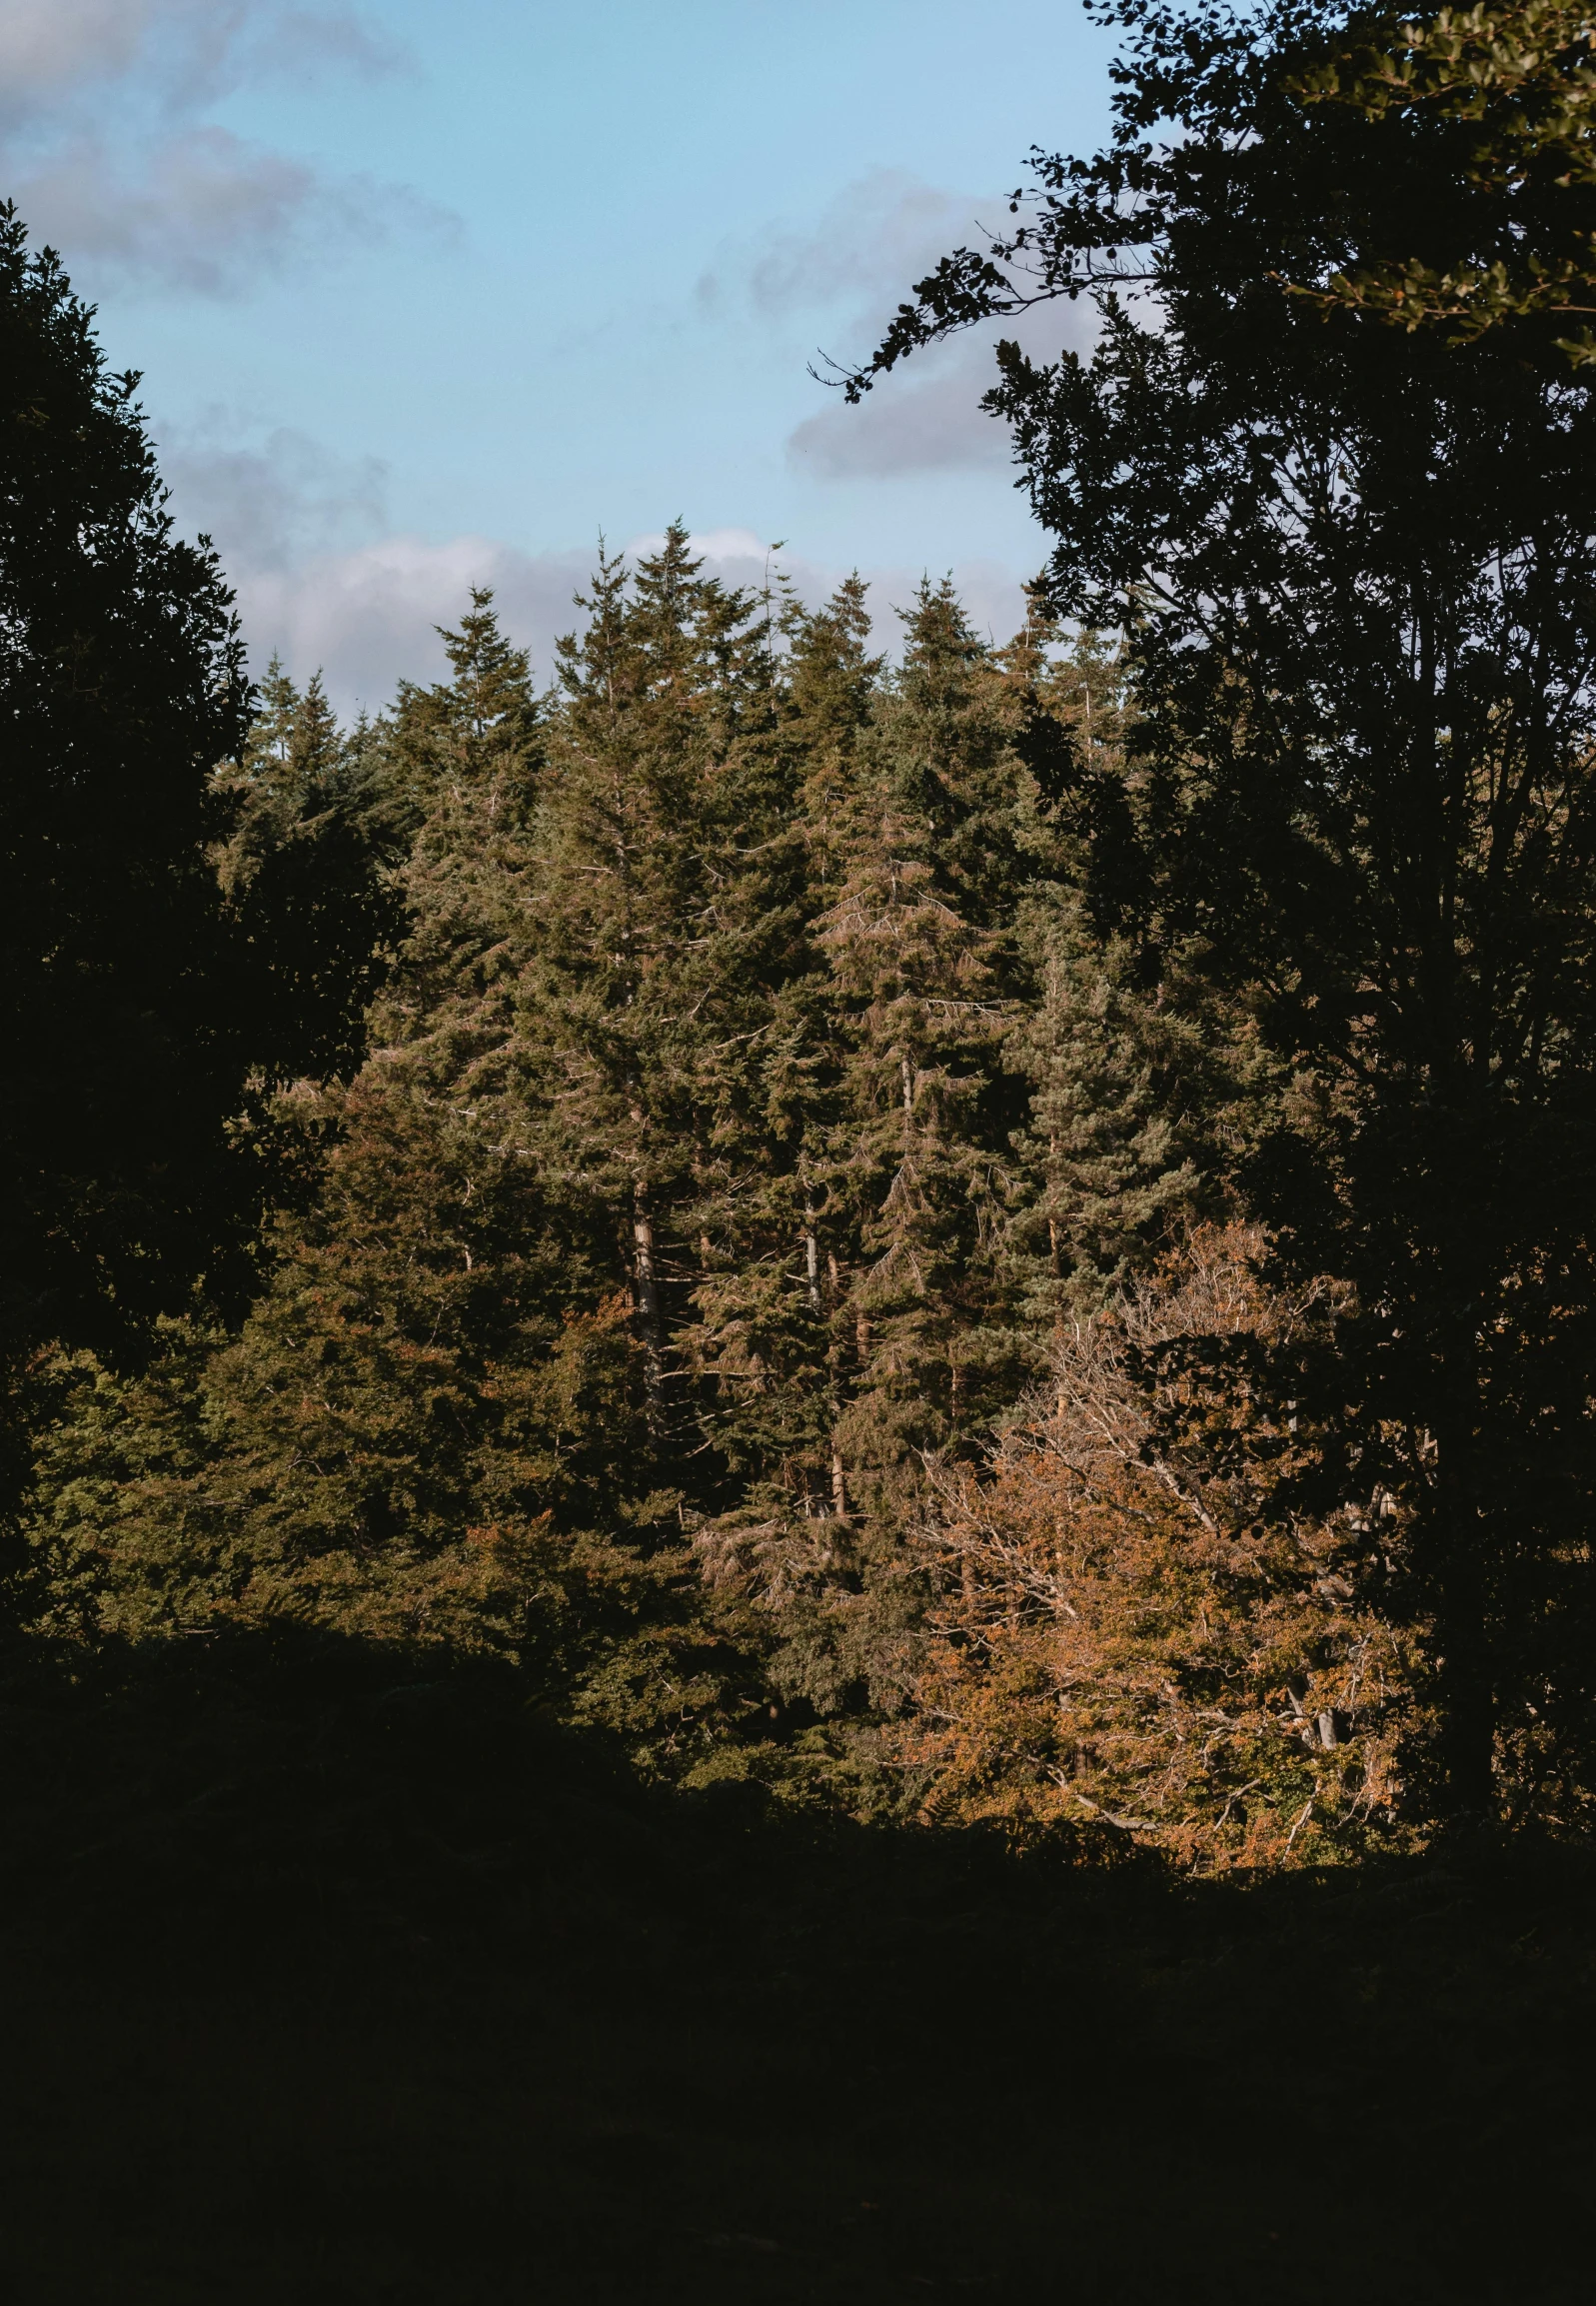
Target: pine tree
[(769, 1341), (307, 872), (667, 880), (927, 982), (122, 1046), (887, 1336), (1148, 1088)]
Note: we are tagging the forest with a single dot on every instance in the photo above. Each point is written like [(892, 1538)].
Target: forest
[(797, 1423)]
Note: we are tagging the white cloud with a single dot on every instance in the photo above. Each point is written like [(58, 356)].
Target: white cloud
[(185, 50), (845, 276), (302, 536), (202, 211), (857, 262), (367, 617), (47, 46), (109, 157), (927, 419), (927, 415)]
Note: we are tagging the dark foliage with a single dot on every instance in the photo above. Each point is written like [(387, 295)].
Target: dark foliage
[(1355, 563), (121, 686)]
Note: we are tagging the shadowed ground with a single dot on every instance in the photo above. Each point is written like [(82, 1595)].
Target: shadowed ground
[(325, 1990)]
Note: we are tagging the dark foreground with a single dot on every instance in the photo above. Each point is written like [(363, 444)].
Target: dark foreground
[(322, 1990)]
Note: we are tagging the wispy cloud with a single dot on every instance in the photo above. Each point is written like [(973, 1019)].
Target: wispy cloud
[(186, 52), (854, 261), (928, 419), (107, 150), (842, 277), (272, 501)]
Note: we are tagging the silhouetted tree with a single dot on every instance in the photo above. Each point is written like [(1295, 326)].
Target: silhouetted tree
[(1355, 565)]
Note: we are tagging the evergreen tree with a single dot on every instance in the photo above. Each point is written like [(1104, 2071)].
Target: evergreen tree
[(926, 982), (121, 685), (307, 874), (894, 1336), (668, 922), (561, 1133), (1149, 1089)]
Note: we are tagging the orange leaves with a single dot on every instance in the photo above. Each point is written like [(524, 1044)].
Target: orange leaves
[(1133, 1627)]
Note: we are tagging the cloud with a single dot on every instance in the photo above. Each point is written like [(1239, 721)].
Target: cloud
[(48, 46), (302, 535), (204, 211), (927, 415), (298, 43), (928, 420), (185, 51), (367, 618), (272, 506), (857, 261), (110, 158), (845, 276)]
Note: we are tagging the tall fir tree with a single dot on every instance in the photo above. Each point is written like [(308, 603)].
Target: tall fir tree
[(309, 875), (121, 685)]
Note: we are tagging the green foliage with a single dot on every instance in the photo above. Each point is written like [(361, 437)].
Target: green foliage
[(306, 870), (1482, 123), (618, 1294)]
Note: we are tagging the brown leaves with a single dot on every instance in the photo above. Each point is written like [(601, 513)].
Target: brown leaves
[(1133, 1632)]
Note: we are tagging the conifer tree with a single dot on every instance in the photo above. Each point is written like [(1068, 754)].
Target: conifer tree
[(769, 1344), (895, 1331), (668, 874), (121, 685), (925, 979), (307, 874), (1149, 1089), (459, 1413)]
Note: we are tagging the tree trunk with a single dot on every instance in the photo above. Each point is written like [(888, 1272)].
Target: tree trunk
[(646, 1299)]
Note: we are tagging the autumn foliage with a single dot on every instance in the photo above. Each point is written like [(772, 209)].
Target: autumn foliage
[(1135, 1633)]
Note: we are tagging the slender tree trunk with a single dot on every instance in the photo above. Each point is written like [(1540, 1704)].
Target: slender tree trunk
[(645, 1299), (833, 1359)]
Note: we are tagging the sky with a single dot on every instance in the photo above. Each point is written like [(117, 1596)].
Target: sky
[(427, 296)]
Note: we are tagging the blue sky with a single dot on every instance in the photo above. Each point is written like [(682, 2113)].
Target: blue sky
[(431, 294)]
